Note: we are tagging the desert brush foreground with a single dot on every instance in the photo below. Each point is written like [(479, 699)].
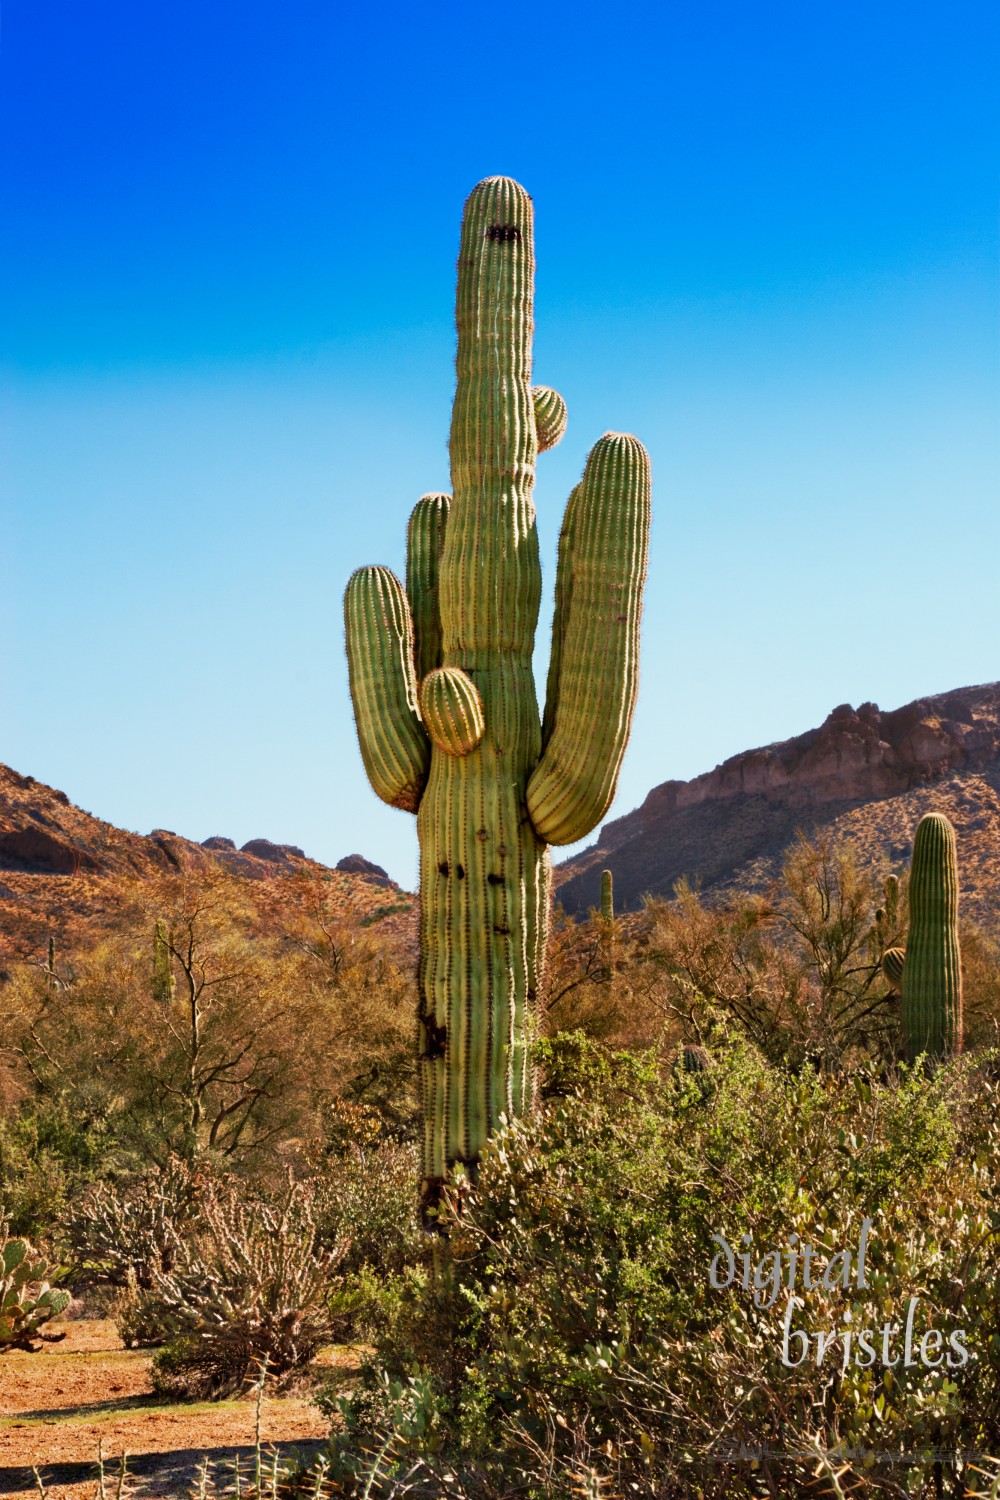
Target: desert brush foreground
[(227, 1170)]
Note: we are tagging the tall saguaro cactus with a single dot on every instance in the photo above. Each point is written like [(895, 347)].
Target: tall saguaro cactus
[(444, 694), (932, 971)]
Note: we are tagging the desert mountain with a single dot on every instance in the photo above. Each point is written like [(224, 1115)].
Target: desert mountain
[(864, 774), (61, 871)]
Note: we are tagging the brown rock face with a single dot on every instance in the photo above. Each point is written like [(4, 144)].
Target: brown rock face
[(731, 825), (356, 864), (61, 871)]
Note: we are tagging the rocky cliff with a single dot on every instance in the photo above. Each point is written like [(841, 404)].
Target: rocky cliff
[(864, 773)]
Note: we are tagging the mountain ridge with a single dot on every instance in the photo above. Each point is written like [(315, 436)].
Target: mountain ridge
[(863, 773), (61, 871)]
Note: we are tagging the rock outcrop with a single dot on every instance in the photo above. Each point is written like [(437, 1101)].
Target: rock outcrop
[(356, 864)]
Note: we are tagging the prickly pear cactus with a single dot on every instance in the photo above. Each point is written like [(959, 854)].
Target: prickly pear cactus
[(607, 896), (444, 695), (932, 973), (26, 1299)]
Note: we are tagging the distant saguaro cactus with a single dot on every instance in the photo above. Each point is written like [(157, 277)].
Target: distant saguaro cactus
[(932, 973), (163, 969), (444, 696), (607, 896)]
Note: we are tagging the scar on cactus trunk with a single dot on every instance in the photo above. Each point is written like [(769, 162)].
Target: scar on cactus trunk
[(444, 694)]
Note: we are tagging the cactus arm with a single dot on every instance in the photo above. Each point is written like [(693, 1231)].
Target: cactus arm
[(597, 643), (424, 545), (550, 416), (564, 591), (893, 960), (379, 631), (452, 711)]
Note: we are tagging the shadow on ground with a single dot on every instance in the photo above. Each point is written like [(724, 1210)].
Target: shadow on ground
[(167, 1474)]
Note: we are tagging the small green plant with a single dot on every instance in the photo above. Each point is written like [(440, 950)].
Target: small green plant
[(27, 1300)]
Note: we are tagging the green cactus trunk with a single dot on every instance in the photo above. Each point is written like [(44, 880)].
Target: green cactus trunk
[(932, 971), (607, 896), (444, 693), (163, 969)]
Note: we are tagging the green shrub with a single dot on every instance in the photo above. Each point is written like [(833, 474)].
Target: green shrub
[(570, 1336)]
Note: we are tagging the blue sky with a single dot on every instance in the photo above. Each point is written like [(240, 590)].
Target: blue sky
[(767, 244)]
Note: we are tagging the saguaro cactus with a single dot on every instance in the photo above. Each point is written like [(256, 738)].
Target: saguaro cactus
[(444, 695), (932, 972), (607, 896), (163, 969)]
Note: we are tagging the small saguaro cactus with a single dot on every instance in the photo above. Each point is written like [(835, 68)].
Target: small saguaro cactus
[(607, 896), (932, 973), (444, 696), (163, 969)]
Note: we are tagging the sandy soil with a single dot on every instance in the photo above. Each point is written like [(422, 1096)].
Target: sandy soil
[(58, 1405)]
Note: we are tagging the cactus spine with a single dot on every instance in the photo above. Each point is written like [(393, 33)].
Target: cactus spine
[(444, 695), (607, 896), (932, 973)]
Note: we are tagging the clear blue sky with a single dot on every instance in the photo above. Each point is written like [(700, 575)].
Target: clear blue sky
[(767, 244)]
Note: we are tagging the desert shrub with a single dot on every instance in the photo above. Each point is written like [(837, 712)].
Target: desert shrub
[(366, 1191), (249, 1285), (570, 1336), (49, 1154)]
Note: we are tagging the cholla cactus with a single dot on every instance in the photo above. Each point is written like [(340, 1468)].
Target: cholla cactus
[(27, 1301), (444, 696), (250, 1285), (123, 1233)]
